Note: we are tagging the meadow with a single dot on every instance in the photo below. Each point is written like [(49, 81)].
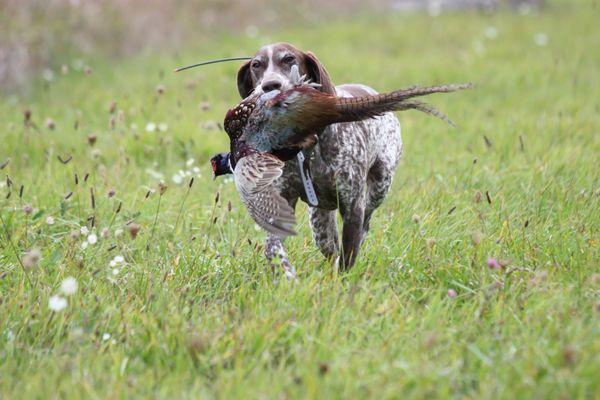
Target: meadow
[(479, 278)]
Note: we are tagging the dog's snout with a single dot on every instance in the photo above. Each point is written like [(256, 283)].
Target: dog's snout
[(270, 86)]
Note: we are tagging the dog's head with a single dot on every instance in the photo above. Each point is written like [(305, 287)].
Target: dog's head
[(270, 69)]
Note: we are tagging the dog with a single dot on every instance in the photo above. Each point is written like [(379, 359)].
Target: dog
[(352, 165)]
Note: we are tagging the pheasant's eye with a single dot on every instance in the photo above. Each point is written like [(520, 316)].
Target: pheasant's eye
[(288, 59)]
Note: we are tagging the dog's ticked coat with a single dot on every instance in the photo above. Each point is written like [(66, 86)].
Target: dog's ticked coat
[(352, 165)]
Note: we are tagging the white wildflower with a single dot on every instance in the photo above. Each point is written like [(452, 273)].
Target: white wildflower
[(57, 303), (163, 127), (177, 179), (150, 127), (115, 262), (189, 162), (106, 336), (92, 238), (50, 220), (84, 230), (118, 232), (84, 245), (69, 286)]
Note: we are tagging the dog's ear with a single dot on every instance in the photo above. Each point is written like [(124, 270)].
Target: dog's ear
[(318, 74), (244, 80)]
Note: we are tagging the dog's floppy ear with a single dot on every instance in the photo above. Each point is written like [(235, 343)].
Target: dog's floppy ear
[(317, 73), (244, 80)]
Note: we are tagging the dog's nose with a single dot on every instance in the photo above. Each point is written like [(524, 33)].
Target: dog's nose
[(270, 86)]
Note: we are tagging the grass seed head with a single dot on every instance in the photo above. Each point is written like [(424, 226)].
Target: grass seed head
[(31, 258), (134, 229), (91, 139), (162, 188)]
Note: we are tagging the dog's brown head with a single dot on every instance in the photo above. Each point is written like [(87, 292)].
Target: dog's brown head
[(270, 70)]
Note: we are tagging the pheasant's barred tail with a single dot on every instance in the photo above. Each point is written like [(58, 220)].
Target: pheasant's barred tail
[(357, 108)]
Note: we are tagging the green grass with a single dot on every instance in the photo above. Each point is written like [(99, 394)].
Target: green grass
[(195, 312)]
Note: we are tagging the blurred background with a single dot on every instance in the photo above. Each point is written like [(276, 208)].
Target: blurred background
[(38, 38)]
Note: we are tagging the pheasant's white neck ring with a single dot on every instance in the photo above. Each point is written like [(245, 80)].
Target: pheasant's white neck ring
[(309, 189), (229, 163)]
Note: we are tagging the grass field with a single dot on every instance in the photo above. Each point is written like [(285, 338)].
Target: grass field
[(192, 311)]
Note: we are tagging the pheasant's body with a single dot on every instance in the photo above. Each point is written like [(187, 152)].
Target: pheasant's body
[(265, 130)]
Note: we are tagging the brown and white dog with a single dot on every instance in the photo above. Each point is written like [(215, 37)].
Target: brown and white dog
[(352, 165)]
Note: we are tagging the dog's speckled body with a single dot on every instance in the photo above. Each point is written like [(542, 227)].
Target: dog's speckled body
[(352, 165)]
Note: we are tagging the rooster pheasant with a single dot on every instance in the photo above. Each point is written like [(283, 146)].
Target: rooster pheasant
[(265, 130)]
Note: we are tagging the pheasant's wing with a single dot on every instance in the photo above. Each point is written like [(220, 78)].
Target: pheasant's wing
[(254, 177)]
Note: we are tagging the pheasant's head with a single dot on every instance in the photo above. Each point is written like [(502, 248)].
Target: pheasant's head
[(221, 164)]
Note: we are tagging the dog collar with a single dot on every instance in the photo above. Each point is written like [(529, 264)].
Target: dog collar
[(309, 189)]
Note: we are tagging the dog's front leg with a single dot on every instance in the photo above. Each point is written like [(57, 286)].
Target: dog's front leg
[(275, 252), (324, 230), (352, 231)]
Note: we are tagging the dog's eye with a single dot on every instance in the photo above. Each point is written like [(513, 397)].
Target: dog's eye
[(288, 59), (255, 64)]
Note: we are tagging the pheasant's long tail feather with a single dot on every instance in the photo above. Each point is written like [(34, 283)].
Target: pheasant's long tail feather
[(358, 108)]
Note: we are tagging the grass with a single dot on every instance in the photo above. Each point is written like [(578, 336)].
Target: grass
[(194, 312)]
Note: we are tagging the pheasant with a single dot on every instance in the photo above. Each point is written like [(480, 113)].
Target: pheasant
[(265, 130)]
